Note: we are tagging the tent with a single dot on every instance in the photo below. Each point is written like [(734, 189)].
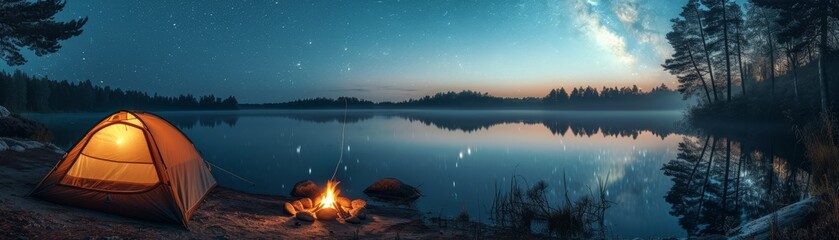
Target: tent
[(134, 164)]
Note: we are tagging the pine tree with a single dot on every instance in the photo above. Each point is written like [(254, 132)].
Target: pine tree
[(812, 18), (31, 25)]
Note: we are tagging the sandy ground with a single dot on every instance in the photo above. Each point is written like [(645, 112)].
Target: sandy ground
[(225, 214)]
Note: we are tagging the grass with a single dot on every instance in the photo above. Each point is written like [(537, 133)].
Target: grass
[(820, 140), (520, 207)]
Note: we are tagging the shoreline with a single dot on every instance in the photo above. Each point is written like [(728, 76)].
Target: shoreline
[(225, 213)]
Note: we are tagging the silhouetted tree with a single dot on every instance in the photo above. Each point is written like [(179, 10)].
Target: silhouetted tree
[(808, 18), (22, 93), (31, 25)]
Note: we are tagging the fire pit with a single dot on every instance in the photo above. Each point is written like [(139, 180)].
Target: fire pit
[(328, 207)]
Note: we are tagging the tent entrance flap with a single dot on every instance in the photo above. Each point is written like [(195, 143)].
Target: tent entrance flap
[(115, 158)]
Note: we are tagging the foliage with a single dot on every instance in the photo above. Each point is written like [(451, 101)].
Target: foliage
[(22, 93), (31, 25), (624, 98), (519, 208)]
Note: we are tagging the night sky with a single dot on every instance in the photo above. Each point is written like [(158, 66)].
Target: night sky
[(269, 51)]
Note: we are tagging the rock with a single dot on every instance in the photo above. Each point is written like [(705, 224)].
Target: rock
[(305, 216), (290, 209), (344, 202), (18, 148), (392, 190), (327, 214), (360, 213), (307, 203), (306, 189), (16, 126), (358, 203), (4, 112), (353, 220), (298, 205)]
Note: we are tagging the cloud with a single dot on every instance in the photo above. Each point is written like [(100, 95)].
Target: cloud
[(588, 20)]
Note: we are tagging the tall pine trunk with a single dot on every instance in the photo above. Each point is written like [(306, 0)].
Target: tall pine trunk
[(825, 91), (740, 63), (699, 73), (727, 55), (707, 54)]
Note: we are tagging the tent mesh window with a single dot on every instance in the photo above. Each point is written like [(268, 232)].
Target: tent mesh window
[(116, 158)]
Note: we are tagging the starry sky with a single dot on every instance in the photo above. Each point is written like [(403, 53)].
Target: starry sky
[(270, 51)]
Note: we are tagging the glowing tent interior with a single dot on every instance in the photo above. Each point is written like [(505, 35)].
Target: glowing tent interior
[(134, 164)]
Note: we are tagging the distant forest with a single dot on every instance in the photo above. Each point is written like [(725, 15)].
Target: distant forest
[(583, 98), (20, 92)]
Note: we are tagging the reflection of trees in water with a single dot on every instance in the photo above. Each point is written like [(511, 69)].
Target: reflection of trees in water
[(556, 122), (624, 125), (188, 121), (720, 183)]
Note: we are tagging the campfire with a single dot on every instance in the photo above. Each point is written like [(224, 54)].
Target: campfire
[(329, 206)]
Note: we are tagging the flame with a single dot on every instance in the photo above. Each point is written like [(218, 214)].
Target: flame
[(330, 195)]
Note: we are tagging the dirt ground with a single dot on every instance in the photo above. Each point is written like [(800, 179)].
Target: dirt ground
[(225, 214)]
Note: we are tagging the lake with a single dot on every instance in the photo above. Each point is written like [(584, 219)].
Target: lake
[(458, 157)]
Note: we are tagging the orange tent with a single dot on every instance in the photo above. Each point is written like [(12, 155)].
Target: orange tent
[(133, 164)]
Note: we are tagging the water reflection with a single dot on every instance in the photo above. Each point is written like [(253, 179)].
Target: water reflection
[(578, 123), (721, 181)]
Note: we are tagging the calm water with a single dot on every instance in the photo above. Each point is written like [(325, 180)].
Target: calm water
[(457, 158)]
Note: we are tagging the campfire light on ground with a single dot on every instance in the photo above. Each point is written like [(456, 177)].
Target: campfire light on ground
[(330, 206)]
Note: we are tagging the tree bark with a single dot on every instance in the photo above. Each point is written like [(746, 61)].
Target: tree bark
[(825, 91), (699, 73), (740, 63), (705, 48), (727, 55)]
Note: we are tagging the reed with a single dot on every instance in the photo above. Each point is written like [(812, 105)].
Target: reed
[(519, 208)]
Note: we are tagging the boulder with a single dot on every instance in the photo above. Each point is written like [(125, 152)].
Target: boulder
[(327, 214), (4, 112), (392, 190), (358, 203), (307, 203), (344, 202), (360, 213), (290, 209), (306, 189), (16, 126), (353, 220), (298, 205), (305, 216)]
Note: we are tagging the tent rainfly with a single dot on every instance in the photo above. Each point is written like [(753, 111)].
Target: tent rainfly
[(134, 164)]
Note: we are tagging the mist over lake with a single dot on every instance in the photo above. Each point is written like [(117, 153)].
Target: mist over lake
[(457, 158)]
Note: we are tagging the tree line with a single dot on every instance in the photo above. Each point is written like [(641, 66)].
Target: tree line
[(624, 98), (23, 93), (719, 44)]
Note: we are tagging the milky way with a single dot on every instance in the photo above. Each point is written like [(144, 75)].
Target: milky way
[(381, 50)]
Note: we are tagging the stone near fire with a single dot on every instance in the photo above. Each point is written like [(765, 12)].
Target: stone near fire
[(344, 202), (360, 213), (305, 216), (327, 214), (358, 203), (392, 190), (353, 220), (298, 205), (307, 203), (306, 189), (290, 209)]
